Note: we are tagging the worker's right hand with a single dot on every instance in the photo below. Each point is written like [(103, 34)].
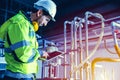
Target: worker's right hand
[(45, 55)]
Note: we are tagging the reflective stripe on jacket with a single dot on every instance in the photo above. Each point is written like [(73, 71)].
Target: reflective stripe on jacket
[(23, 43)]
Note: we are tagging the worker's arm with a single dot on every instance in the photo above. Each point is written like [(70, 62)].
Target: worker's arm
[(24, 42), (43, 54)]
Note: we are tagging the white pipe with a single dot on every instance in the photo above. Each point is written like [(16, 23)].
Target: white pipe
[(75, 46), (86, 43), (72, 49), (97, 45), (65, 35), (114, 24), (65, 45), (81, 49)]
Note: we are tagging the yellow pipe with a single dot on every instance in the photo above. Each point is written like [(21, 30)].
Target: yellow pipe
[(101, 59), (117, 49)]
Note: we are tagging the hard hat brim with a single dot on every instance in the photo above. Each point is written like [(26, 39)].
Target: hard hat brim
[(53, 19)]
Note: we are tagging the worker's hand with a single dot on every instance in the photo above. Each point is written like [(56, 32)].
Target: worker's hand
[(45, 55)]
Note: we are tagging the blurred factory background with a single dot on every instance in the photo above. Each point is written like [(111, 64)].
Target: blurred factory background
[(67, 10), (101, 45)]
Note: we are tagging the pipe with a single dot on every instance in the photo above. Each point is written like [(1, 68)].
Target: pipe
[(65, 44), (97, 45), (72, 49), (81, 48), (107, 20), (75, 43), (88, 57), (116, 46), (105, 45), (86, 42), (65, 35), (97, 15), (100, 59), (87, 15), (113, 33), (74, 46)]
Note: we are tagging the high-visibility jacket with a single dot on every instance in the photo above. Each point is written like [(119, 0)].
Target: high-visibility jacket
[(21, 52)]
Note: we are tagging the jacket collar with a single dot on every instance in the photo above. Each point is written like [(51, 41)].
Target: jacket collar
[(26, 16)]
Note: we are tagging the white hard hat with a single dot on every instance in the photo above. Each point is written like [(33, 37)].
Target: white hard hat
[(47, 5)]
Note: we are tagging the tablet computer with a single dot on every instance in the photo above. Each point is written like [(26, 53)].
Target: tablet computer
[(54, 54)]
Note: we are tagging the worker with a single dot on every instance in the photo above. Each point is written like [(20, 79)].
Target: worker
[(21, 47)]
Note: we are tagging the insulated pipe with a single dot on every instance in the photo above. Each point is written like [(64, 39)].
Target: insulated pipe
[(74, 26), (75, 43), (81, 49), (86, 30), (114, 24), (72, 50), (100, 59), (101, 35), (86, 43), (65, 44), (80, 45), (97, 15), (97, 45), (65, 35), (74, 46), (107, 20), (87, 15)]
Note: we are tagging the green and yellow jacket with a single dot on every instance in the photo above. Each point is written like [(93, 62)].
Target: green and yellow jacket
[(21, 46)]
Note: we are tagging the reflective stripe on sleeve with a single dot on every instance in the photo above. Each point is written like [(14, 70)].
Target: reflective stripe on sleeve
[(32, 56), (20, 44), (17, 45)]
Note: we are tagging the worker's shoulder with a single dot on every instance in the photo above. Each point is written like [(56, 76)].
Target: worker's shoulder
[(18, 18)]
